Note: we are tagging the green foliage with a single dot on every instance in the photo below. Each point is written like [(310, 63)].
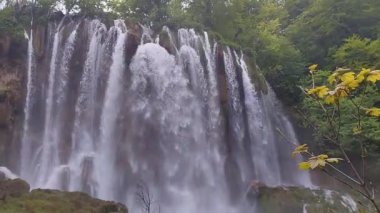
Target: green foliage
[(149, 12), (9, 24), (344, 111), (280, 60), (358, 52), (325, 24)]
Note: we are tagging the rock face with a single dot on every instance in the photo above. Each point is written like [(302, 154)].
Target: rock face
[(5, 44), (299, 200), (11, 102), (15, 197)]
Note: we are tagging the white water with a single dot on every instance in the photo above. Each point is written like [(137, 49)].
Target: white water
[(213, 103), (163, 121), (26, 140), (8, 173), (83, 138), (263, 154), (105, 157), (56, 93)]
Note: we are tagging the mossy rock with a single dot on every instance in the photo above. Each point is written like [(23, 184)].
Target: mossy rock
[(53, 201), (13, 188), (298, 200)]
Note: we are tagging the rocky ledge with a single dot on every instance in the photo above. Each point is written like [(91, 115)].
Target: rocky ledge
[(15, 196)]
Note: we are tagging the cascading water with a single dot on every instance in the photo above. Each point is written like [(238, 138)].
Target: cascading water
[(213, 103), (26, 141), (191, 128), (105, 156), (49, 163), (83, 135)]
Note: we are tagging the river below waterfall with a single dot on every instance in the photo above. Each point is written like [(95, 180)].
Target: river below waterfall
[(174, 116)]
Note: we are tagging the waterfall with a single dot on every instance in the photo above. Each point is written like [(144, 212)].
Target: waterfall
[(146, 36), (26, 140), (49, 158), (105, 159), (213, 103), (179, 117), (83, 135), (262, 159)]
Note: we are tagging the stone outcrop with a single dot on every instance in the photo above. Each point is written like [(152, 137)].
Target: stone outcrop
[(15, 197), (11, 102)]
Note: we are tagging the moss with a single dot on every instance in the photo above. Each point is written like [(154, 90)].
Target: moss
[(52, 201)]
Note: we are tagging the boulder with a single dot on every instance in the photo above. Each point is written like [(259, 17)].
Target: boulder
[(13, 188)]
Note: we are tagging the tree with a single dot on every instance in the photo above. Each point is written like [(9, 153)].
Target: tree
[(342, 101), (86, 7), (149, 12), (358, 52), (325, 24)]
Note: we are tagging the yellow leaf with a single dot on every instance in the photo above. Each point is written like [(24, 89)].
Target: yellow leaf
[(334, 160), (313, 67), (364, 72), (332, 78), (321, 162), (322, 157), (304, 166), (319, 91), (347, 77), (318, 161), (353, 84), (330, 99), (374, 76), (374, 112), (300, 149), (360, 78), (362, 75), (314, 163), (341, 91)]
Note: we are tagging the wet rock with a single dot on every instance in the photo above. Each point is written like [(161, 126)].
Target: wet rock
[(133, 40), (166, 43), (4, 115), (298, 200), (5, 44), (39, 41), (222, 78), (2, 176)]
